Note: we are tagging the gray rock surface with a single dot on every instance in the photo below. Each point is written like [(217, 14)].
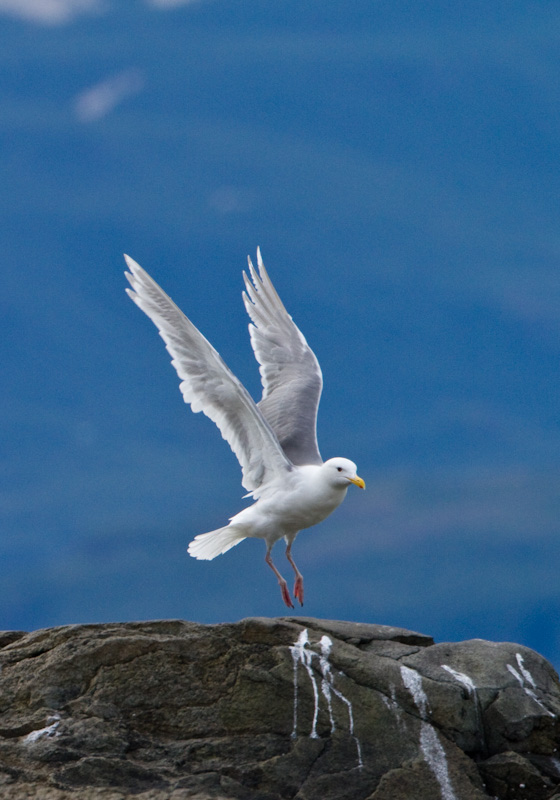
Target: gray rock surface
[(268, 709)]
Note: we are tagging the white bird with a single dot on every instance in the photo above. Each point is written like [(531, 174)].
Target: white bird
[(275, 441)]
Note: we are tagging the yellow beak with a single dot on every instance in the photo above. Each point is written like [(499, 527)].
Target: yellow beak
[(358, 482)]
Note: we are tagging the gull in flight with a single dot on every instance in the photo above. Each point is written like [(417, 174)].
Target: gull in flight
[(275, 440)]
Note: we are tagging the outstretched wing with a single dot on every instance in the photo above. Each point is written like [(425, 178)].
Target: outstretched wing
[(209, 386), (291, 376)]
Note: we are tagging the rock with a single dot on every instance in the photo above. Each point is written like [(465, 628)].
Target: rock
[(267, 709), (511, 771)]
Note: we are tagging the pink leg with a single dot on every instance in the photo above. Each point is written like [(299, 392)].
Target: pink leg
[(298, 586), (283, 585)]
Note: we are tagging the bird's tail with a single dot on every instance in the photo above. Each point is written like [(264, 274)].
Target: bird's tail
[(207, 546)]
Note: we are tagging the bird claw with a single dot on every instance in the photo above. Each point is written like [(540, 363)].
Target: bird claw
[(298, 590)]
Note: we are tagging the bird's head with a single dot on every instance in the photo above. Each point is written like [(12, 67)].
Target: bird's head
[(342, 471)]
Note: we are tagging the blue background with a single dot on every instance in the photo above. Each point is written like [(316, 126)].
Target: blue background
[(398, 165)]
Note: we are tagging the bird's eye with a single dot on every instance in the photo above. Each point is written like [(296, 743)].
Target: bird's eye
[(339, 469)]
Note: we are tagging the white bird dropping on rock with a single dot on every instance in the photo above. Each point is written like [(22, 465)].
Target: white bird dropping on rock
[(303, 654), (430, 745), (275, 441)]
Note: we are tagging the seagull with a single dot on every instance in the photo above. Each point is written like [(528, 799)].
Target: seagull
[(274, 440)]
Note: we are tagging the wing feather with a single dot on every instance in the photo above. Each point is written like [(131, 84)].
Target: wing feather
[(208, 385), (290, 373)]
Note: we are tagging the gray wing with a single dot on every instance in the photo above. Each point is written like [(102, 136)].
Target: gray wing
[(290, 373), (209, 386)]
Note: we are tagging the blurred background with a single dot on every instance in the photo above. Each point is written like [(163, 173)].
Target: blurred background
[(398, 165)]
